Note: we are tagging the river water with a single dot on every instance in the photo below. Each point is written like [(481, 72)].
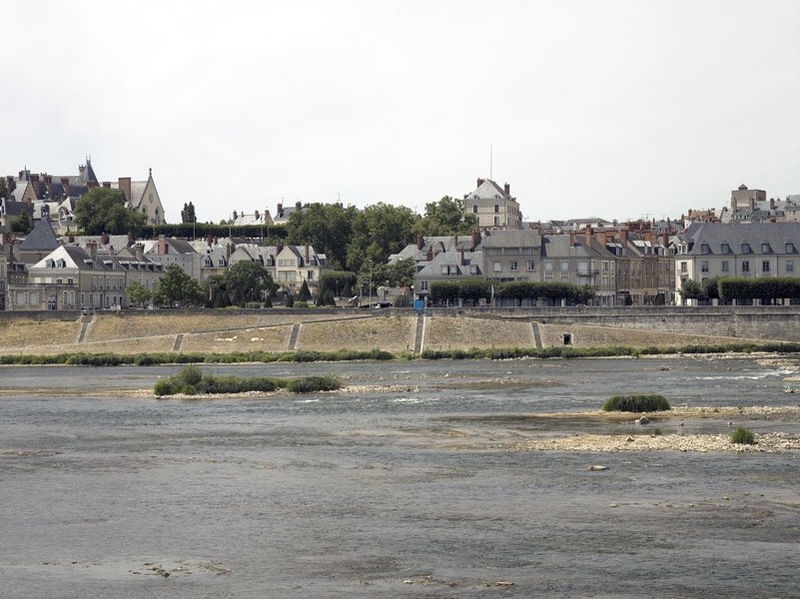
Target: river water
[(406, 492)]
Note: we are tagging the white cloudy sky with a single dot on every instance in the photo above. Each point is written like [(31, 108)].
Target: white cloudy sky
[(605, 108)]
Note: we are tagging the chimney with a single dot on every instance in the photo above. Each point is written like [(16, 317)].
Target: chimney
[(65, 186), (666, 239), (91, 249), (124, 184), (162, 245), (430, 254), (420, 241), (130, 239), (35, 183), (279, 247), (104, 239), (480, 182), (107, 184), (507, 189), (298, 205), (307, 254), (71, 238), (589, 236), (772, 203), (476, 239), (571, 238), (228, 250), (10, 182), (279, 212), (139, 249)]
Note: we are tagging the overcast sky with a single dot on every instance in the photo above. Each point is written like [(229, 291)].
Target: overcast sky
[(606, 108)]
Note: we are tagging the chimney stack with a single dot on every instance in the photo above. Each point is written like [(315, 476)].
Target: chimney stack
[(162, 245), (507, 189), (139, 249), (480, 182), (623, 235), (420, 241), (91, 249), (476, 239)]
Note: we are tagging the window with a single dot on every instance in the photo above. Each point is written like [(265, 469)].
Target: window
[(745, 248), (790, 247), (548, 266), (531, 265), (497, 208), (684, 267), (790, 266), (704, 248), (765, 249), (564, 267), (745, 266), (496, 221), (474, 209), (514, 265), (704, 266), (725, 266), (765, 266), (497, 266), (424, 285), (725, 248)]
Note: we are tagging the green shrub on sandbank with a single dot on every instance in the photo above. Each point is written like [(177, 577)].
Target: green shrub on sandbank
[(192, 381), (743, 436), (636, 403), (564, 352)]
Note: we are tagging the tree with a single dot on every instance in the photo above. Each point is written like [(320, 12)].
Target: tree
[(176, 287), (187, 214), (102, 210), (401, 273), (379, 231), (325, 226), (248, 282), (446, 217), (3, 189), (305, 294), (138, 294), (22, 224)]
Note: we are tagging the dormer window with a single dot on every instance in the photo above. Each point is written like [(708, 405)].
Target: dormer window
[(765, 249), (725, 248), (746, 248), (790, 249), (705, 248)]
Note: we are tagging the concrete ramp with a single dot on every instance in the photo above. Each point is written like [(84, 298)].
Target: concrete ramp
[(419, 337), (293, 338)]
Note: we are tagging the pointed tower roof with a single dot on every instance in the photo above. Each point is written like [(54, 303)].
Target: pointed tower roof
[(41, 238)]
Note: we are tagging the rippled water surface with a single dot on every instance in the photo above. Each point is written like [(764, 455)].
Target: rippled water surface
[(368, 493)]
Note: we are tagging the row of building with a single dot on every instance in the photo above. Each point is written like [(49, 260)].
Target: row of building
[(639, 263), (624, 267)]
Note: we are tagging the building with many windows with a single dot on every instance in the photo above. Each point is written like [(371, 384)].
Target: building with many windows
[(734, 250), (493, 206)]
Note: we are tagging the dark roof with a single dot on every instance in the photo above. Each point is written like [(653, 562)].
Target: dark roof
[(777, 235), (41, 238)]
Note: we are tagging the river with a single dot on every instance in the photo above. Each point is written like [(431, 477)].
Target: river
[(406, 491)]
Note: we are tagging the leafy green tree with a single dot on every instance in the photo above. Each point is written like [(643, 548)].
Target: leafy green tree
[(379, 231), (3, 189), (248, 282), (138, 294), (691, 289), (401, 273), (187, 214), (102, 210), (446, 217), (177, 287), (327, 227), (22, 223)]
